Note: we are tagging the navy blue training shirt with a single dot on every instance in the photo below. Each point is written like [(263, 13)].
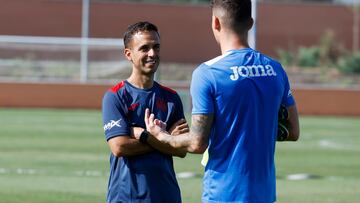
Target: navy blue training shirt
[(149, 177)]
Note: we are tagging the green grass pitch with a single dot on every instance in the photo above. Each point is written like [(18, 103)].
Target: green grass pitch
[(60, 156)]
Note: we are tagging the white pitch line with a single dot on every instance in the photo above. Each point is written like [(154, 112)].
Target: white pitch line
[(3, 170), (26, 171), (302, 176), (89, 173), (337, 146), (30, 171), (185, 175), (86, 173)]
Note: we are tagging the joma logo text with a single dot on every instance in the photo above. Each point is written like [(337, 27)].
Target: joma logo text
[(252, 71)]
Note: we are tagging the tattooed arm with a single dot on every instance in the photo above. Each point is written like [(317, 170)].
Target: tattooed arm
[(195, 141)]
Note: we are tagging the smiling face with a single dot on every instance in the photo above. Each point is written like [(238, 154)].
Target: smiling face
[(144, 52)]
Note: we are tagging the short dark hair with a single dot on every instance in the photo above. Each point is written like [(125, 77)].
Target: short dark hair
[(237, 13), (138, 27)]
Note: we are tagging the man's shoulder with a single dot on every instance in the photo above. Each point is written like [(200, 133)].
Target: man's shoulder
[(166, 89), (270, 59), (204, 68), (116, 88), (215, 60), (114, 93)]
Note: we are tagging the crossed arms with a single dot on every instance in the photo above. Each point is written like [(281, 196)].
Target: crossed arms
[(180, 139), (129, 145)]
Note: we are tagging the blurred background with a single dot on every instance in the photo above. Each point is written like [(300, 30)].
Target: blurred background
[(80, 42), (58, 57)]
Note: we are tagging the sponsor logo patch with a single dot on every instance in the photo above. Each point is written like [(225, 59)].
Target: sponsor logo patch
[(112, 124)]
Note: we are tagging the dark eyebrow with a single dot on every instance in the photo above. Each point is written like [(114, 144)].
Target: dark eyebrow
[(146, 46)]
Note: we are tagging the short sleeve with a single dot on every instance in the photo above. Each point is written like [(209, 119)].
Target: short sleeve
[(114, 117), (287, 99), (179, 112), (201, 91)]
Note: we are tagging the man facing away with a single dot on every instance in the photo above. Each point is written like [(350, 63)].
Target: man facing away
[(139, 172), (236, 98)]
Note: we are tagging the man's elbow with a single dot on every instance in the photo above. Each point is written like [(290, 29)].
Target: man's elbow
[(294, 135), (294, 124), (199, 150), (118, 152), (182, 154), (198, 147)]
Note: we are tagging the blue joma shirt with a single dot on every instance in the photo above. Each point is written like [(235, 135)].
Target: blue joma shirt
[(143, 178), (244, 90)]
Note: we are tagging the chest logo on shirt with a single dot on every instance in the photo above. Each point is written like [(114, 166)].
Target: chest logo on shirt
[(252, 71), (112, 124), (161, 104)]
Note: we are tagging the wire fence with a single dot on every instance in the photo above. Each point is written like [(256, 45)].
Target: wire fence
[(59, 58), (37, 59)]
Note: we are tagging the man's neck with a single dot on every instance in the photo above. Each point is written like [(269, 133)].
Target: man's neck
[(231, 41), (141, 81)]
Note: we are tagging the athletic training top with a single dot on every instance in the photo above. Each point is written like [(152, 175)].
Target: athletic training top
[(149, 177), (243, 89)]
